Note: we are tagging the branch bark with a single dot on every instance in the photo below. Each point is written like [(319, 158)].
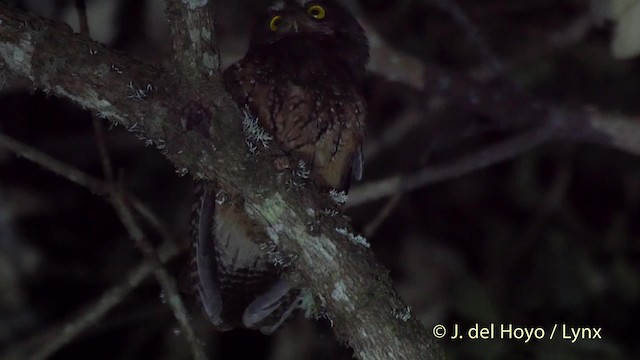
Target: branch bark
[(152, 103)]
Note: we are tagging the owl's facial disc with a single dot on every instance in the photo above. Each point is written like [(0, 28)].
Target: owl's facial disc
[(310, 18), (283, 25), (326, 22)]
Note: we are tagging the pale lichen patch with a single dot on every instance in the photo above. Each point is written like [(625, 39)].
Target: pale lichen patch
[(302, 171), (330, 212), (339, 292), (271, 209), (221, 197), (182, 171), (274, 232), (309, 305), (18, 57), (354, 238), (209, 61), (206, 35), (403, 314), (195, 4), (139, 94), (254, 133), (339, 197)]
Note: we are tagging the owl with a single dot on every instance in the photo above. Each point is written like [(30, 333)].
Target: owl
[(301, 79)]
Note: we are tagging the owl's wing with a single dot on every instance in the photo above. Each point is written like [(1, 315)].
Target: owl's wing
[(336, 140)]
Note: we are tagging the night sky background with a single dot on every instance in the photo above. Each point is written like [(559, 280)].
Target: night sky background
[(551, 237)]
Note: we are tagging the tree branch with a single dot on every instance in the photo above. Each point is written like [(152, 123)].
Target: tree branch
[(473, 34), (558, 124), (162, 275), (508, 107), (400, 184), (355, 291), (193, 34), (117, 198), (55, 338)]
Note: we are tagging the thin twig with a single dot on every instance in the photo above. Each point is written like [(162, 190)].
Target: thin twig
[(400, 184), (147, 249), (393, 134), (81, 7), (78, 177), (166, 281), (373, 225), (118, 200), (57, 167), (102, 149), (48, 342), (473, 34)]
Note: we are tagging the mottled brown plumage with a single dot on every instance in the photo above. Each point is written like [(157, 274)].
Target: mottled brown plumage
[(301, 78)]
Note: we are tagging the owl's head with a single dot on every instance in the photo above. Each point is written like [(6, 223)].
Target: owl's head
[(322, 19)]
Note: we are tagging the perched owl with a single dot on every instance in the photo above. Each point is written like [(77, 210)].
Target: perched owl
[(301, 79)]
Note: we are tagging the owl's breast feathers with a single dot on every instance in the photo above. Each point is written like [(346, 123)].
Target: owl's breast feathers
[(310, 101)]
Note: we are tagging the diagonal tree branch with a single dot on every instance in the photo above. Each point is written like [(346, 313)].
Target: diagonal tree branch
[(354, 290), (118, 201), (400, 184), (162, 275), (473, 34)]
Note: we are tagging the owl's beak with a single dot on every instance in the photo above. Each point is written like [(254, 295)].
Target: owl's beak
[(293, 26)]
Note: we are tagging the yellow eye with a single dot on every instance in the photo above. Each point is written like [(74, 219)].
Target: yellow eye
[(275, 22), (317, 12)]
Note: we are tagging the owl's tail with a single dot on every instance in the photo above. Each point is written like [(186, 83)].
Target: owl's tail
[(237, 284)]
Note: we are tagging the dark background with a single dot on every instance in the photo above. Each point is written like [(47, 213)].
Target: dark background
[(551, 237)]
